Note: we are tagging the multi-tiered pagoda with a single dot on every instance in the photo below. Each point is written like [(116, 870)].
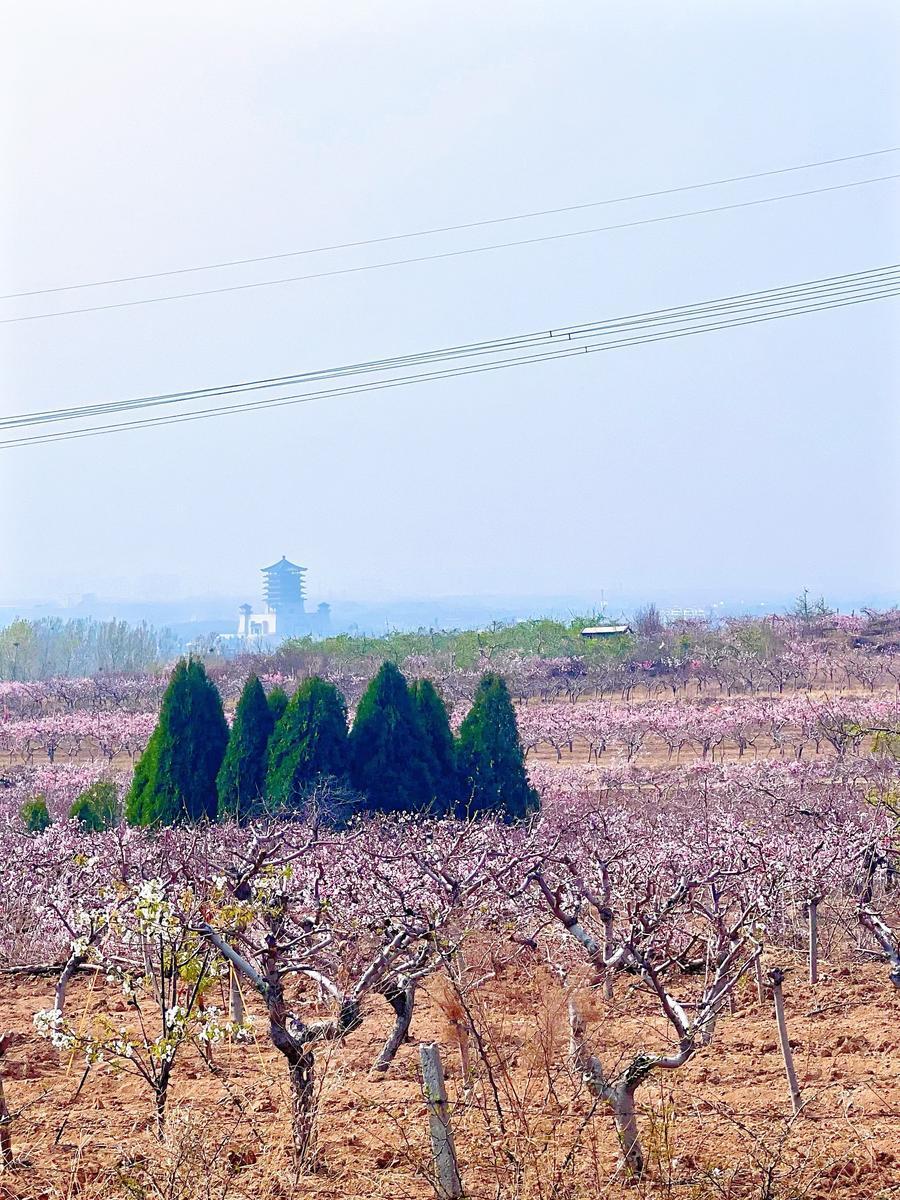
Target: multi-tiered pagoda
[(284, 613)]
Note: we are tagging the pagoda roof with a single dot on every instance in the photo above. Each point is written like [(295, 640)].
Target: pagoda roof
[(283, 565)]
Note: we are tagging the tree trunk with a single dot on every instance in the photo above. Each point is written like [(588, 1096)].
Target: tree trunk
[(161, 1096), (606, 916), (401, 1000), (461, 1029), (625, 1117), (302, 1073), (73, 962), (812, 912)]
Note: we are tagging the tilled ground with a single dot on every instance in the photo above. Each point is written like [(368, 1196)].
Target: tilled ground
[(718, 1127)]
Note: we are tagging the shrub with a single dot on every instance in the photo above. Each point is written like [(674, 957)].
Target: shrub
[(97, 808), (35, 815), (278, 700), (435, 722)]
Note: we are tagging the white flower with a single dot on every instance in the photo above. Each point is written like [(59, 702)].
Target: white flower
[(176, 1018), (50, 1023)]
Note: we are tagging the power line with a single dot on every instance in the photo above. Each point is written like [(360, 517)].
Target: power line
[(470, 369), (880, 288), (861, 285), (396, 237), (830, 285), (400, 262)]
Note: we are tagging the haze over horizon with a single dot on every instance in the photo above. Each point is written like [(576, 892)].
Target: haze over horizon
[(751, 461)]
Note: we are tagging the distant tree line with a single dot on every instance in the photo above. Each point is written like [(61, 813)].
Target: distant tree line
[(52, 647), (466, 648), (285, 756)]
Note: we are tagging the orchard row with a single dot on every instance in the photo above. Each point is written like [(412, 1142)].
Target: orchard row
[(787, 724)]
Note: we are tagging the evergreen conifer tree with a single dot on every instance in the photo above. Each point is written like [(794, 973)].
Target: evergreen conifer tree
[(309, 743), (492, 771), (175, 778), (435, 722), (278, 702), (241, 782), (391, 758)]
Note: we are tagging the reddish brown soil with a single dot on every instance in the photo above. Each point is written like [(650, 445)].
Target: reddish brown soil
[(719, 1127)]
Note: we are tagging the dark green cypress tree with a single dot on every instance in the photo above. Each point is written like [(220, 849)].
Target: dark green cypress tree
[(309, 743), (391, 759), (241, 783), (175, 779), (491, 762), (278, 701), (435, 722)]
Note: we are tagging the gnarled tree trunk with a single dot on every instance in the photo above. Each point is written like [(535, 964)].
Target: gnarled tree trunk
[(619, 1093), (401, 999), (295, 1041)]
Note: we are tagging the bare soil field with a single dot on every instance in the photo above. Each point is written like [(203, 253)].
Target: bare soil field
[(720, 1127)]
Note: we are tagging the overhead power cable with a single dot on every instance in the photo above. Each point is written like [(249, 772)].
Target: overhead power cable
[(446, 254), (846, 284), (684, 321), (480, 224)]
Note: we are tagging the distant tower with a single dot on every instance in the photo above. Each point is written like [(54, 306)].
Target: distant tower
[(283, 594), (246, 611)]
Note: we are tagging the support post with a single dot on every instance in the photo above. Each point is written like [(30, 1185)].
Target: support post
[(235, 996), (776, 978), (448, 1184)]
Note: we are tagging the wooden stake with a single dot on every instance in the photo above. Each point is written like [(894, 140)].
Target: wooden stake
[(448, 1184), (776, 978), (760, 985), (235, 996)]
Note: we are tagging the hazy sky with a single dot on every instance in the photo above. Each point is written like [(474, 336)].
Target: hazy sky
[(147, 137)]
